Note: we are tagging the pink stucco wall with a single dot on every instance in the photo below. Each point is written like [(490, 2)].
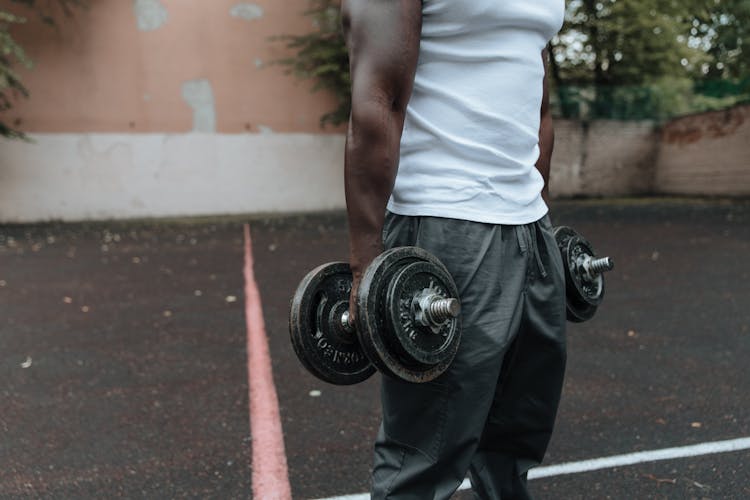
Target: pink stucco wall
[(122, 66)]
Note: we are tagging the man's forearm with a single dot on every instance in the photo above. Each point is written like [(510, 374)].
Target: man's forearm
[(370, 170), (382, 37)]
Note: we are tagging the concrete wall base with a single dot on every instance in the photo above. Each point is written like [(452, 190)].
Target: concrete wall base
[(109, 176)]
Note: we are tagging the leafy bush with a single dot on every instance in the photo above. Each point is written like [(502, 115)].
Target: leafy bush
[(321, 55), (13, 55)]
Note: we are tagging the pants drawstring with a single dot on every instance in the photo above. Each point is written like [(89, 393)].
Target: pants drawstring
[(527, 240), (522, 238), (539, 263)]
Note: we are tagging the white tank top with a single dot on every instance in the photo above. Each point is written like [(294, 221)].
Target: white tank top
[(470, 139)]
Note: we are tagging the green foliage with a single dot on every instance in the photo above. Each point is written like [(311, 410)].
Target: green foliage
[(634, 59), (13, 55), (321, 55), (727, 25), (621, 41)]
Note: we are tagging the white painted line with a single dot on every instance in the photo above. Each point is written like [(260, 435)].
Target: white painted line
[(641, 457), (270, 477), (614, 461)]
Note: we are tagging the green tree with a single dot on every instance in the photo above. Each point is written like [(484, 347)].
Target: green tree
[(638, 58), (12, 54), (726, 27)]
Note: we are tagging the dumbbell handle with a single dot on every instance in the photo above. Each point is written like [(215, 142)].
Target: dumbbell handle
[(346, 322), (436, 310)]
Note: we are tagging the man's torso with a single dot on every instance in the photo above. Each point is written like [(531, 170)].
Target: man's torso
[(470, 139)]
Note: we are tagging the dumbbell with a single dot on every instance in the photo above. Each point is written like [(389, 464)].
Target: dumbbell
[(584, 274), (407, 323)]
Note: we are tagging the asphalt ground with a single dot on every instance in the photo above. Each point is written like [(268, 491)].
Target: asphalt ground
[(123, 368)]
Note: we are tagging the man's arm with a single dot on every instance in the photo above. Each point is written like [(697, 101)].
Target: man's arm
[(383, 41), (546, 135)]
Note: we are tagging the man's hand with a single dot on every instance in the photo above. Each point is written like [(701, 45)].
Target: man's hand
[(353, 299), (383, 41), (365, 260)]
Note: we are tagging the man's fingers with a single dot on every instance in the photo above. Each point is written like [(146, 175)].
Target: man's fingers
[(353, 301)]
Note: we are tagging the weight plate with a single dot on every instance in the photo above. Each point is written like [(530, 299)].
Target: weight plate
[(589, 290), (322, 345), (376, 337), (583, 295), (418, 342), (564, 234), (578, 312)]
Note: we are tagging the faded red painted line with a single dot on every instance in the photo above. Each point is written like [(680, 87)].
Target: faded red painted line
[(269, 468)]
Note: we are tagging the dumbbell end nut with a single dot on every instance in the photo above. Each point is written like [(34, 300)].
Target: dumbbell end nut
[(598, 266), (590, 268), (432, 310), (444, 309)]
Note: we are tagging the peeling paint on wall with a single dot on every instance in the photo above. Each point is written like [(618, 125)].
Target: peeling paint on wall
[(150, 14), (265, 130), (258, 62), (247, 11), (199, 96)]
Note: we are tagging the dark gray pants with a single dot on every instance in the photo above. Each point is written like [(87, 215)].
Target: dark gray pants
[(492, 413)]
